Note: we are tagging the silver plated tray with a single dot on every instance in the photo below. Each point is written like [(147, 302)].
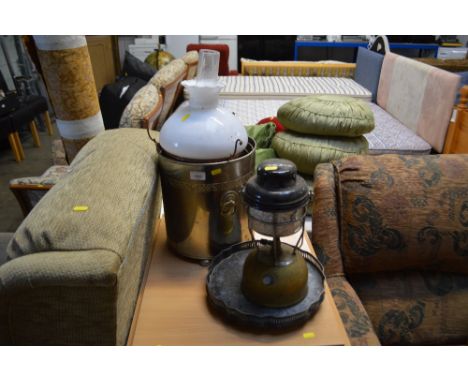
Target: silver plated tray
[(223, 287)]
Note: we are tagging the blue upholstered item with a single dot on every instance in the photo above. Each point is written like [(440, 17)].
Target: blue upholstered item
[(368, 65), (463, 82)]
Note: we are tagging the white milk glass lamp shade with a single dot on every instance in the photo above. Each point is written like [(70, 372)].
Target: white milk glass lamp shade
[(200, 129)]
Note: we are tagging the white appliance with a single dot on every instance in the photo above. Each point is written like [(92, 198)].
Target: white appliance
[(143, 47), (177, 45), (230, 40)]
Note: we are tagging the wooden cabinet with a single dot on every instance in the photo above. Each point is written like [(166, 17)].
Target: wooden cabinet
[(104, 54)]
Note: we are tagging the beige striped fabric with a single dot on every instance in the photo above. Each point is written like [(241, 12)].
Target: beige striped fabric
[(420, 96), (274, 87)]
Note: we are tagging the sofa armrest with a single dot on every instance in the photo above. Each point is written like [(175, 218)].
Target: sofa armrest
[(325, 227), (59, 298), (353, 314)]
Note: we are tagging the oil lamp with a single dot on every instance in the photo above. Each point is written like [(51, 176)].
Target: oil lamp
[(275, 273), (205, 159)]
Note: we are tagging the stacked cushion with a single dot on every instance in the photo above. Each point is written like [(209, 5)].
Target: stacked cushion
[(327, 115), (322, 128), (308, 151)]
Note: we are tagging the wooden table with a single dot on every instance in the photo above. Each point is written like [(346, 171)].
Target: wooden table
[(172, 309)]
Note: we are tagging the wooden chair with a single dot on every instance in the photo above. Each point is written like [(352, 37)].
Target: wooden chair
[(169, 94), (29, 108), (29, 190), (457, 135), (28, 195), (16, 146)]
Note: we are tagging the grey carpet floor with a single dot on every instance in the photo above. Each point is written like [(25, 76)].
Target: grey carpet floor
[(37, 160)]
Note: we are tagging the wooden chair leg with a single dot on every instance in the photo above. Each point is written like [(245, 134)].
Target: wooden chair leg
[(48, 123), (35, 134), (14, 148), (19, 145)]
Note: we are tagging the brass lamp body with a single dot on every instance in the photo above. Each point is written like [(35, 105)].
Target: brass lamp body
[(274, 276)]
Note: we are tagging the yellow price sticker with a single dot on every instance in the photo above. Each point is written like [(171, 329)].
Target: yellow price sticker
[(271, 168), (80, 208), (309, 335), (185, 117), (216, 171)]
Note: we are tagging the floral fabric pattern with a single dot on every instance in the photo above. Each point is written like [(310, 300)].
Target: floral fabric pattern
[(396, 227), (416, 307), (141, 104), (355, 319), (38, 185), (168, 74), (191, 59), (404, 212), (49, 178), (164, 81), (325, 232)]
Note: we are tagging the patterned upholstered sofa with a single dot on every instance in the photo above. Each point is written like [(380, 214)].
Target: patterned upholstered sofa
[(392, 233), (72, 270)]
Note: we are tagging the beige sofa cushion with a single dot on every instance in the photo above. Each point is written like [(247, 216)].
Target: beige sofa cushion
[(109, 181)]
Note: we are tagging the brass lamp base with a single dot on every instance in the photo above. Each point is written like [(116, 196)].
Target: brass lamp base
[(274, 281)]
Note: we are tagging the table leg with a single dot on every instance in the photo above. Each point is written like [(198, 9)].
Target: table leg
[(48, 123), (35, 134), (14, 148), (19, 145)]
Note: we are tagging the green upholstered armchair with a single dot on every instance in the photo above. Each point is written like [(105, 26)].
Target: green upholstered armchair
[(392, 233), (74, 267)]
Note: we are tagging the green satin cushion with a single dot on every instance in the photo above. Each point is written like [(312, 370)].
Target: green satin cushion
[(327, 115), (308, 151)]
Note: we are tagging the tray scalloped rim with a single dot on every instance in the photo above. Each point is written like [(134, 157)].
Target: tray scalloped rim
[(264, 321)]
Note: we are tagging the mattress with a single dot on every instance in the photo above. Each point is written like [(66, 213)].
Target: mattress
[(275, 87), (389, 136)]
